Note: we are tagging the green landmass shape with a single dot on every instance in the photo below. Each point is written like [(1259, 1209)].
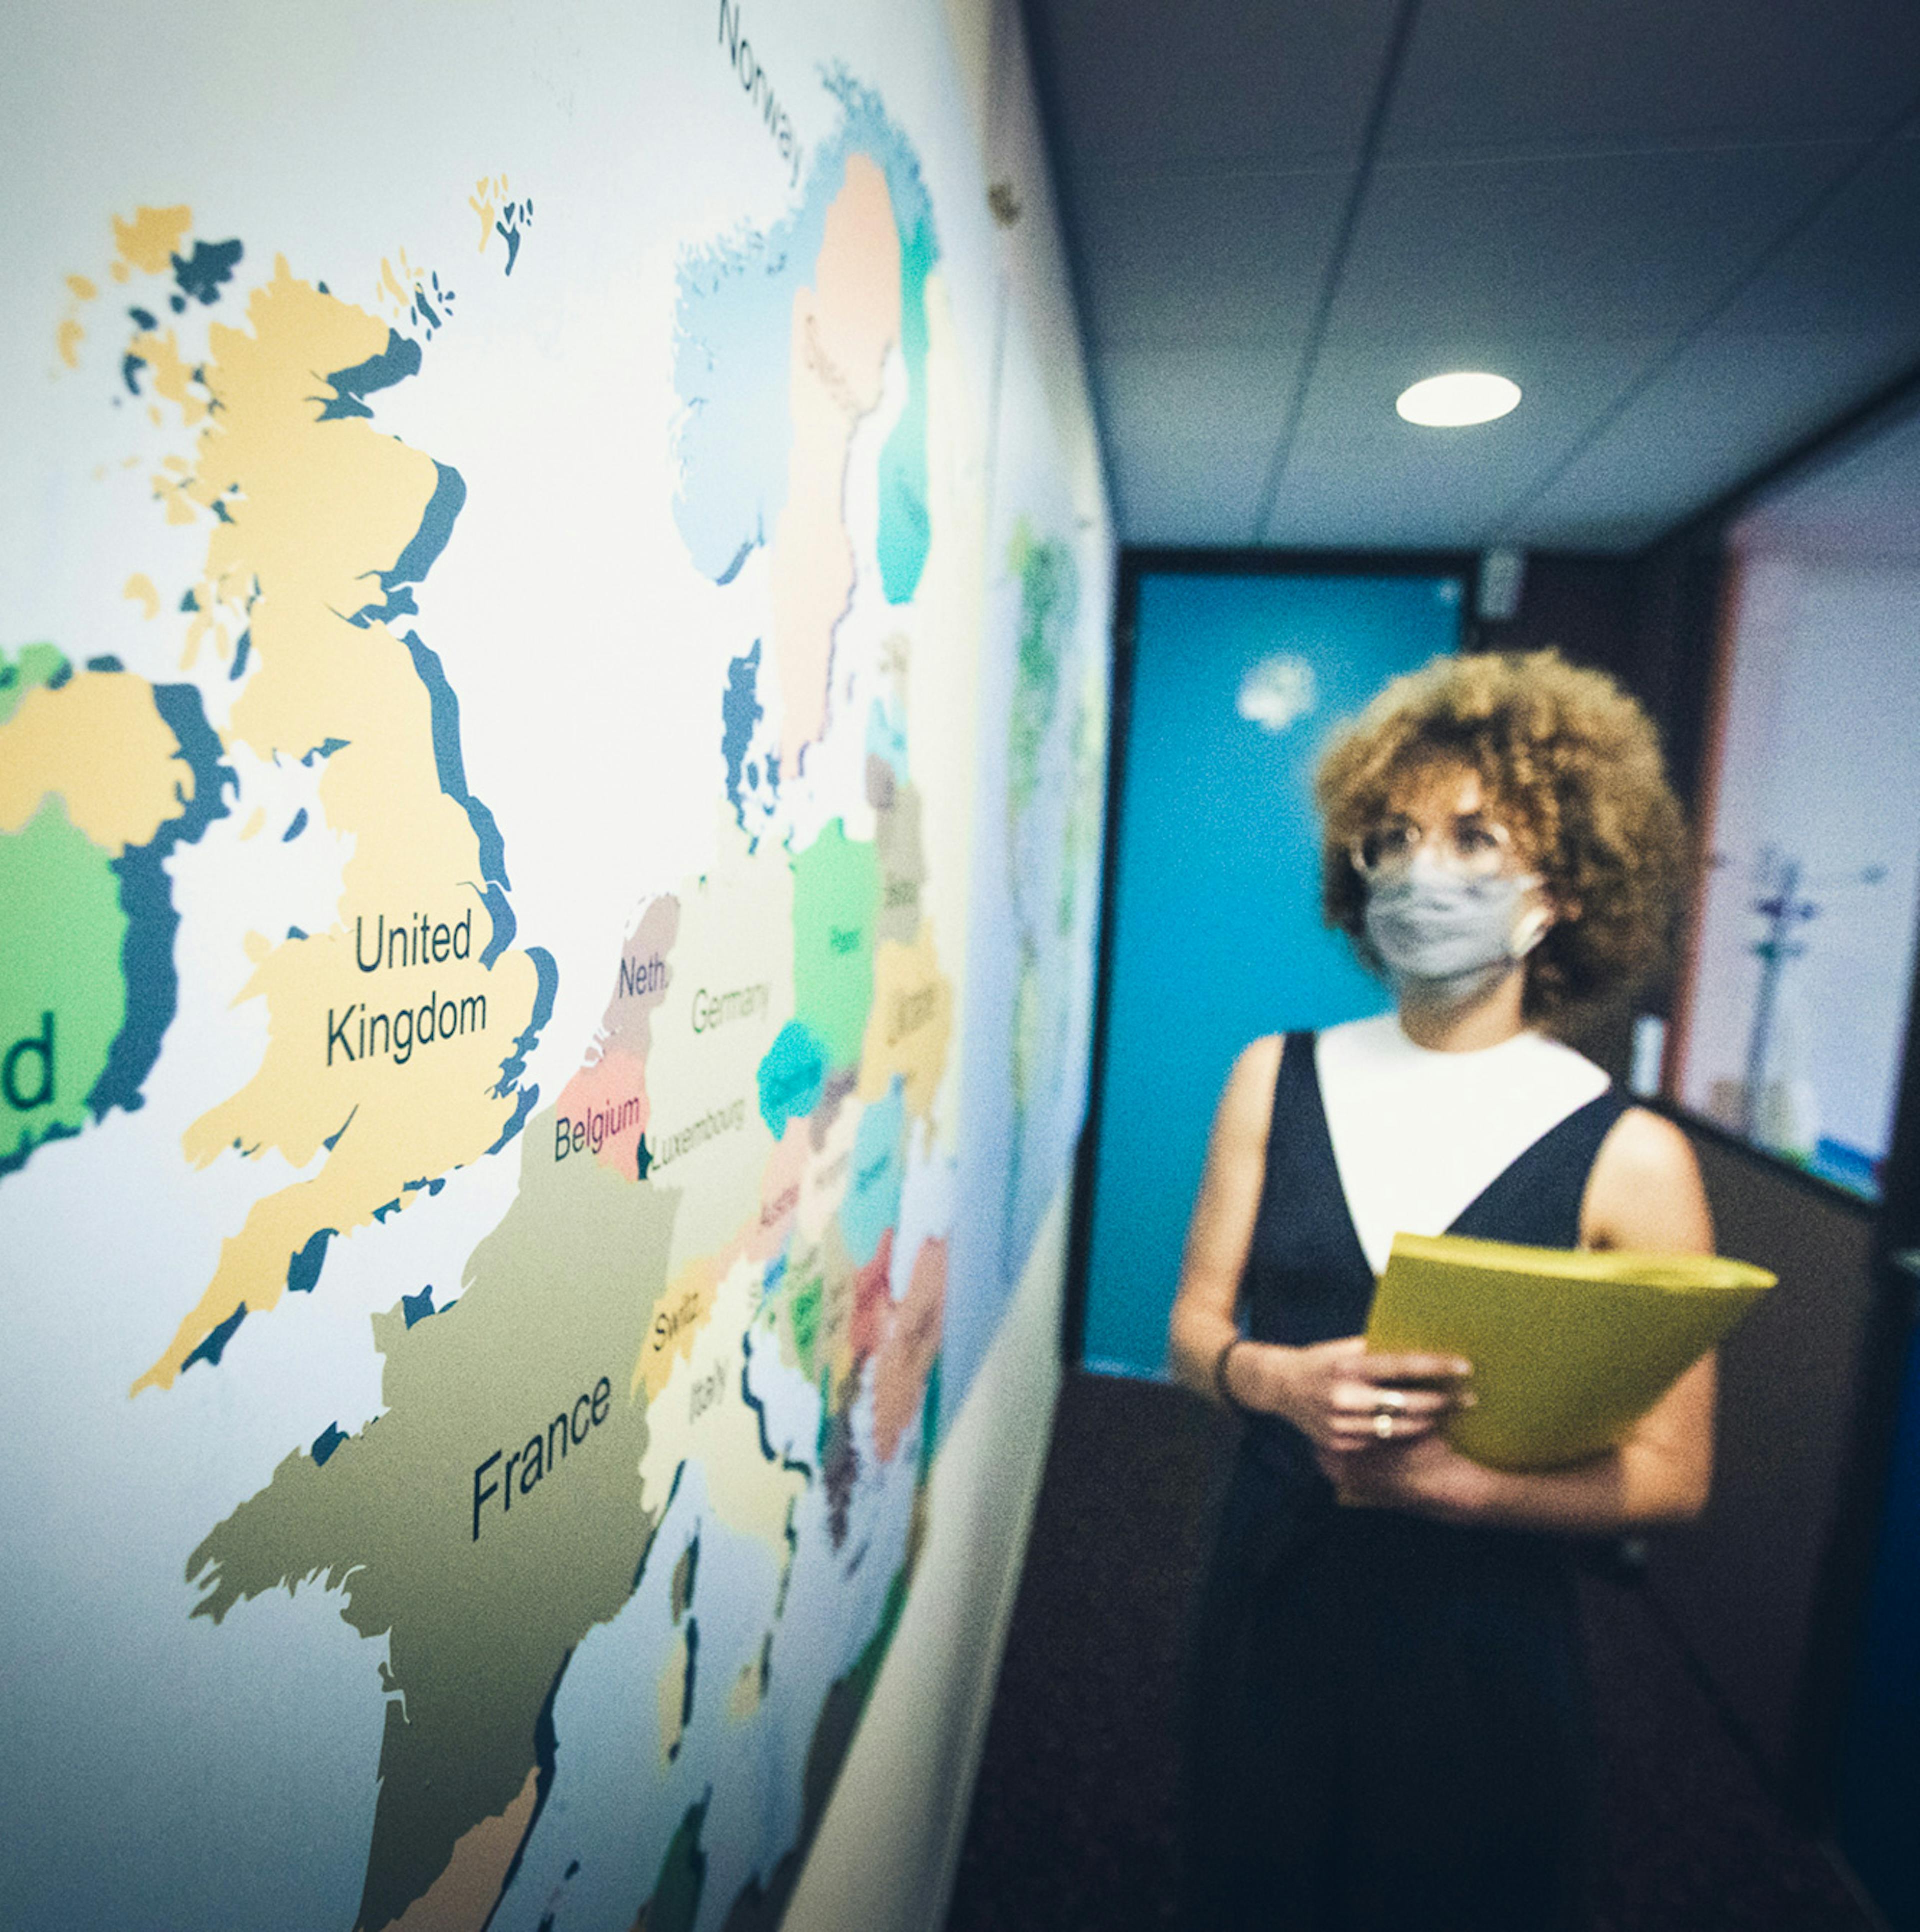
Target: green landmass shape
[(675, 1903), (1030, 1040), (35, 664), (63, 995), (836, 901), (1049, 589), (1085, 813), (804, 1311), (561, 1294)]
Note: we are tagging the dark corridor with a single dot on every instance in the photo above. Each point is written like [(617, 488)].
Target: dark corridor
[(1074, 1822)]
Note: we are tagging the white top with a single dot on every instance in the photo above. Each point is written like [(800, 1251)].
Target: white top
[(1418, 1136)]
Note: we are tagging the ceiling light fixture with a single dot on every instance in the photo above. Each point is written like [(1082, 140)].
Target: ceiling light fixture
[(1454, 401)]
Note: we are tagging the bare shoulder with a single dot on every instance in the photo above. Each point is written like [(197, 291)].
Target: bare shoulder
[(1644, 1146), (1246, 1103), (1646, 1189), (1249, 1090), (1259, 1062)]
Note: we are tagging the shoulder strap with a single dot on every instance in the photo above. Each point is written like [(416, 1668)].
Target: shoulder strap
[(1296, 1098), (1537, 1200)]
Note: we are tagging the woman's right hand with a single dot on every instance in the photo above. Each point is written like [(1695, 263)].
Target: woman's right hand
[(1335, 1393)]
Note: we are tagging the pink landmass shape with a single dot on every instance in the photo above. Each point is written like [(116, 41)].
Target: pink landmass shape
[(906, 1356), (843, 327)]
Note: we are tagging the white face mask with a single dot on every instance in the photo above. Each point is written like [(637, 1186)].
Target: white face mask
[(1450, 938)]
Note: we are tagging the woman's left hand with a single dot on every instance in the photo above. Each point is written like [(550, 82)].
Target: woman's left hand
[(1425, 1474)]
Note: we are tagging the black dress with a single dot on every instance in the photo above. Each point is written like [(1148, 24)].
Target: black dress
[(1388, 1715)]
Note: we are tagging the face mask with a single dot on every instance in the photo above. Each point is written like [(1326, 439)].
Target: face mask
[(1449, 936)]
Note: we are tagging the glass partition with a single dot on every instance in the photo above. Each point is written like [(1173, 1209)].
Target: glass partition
[(1792, 1011)]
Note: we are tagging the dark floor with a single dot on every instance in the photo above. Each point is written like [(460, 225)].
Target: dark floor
[(1073, 1823)]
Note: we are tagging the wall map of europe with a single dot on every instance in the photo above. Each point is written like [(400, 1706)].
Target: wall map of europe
[(484, 996)]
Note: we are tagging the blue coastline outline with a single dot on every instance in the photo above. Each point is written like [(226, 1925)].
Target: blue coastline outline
[(399, 359), (146, 897)]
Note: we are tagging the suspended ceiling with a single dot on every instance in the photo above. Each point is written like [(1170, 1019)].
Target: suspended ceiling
[(1690, 230)]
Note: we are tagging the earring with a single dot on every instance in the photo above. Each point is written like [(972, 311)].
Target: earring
[(1530, 929)]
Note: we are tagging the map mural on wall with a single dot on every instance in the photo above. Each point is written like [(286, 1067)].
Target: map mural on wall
[(487, 1006), (1042, 779)]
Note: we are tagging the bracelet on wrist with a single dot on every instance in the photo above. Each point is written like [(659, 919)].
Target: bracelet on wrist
[(1219, 1382)]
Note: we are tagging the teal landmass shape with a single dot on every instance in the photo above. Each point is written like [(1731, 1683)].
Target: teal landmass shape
[(873, 1194), (906, 525), (792, 1077)]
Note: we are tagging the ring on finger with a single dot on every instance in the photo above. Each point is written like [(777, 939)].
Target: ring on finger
[(1390, 1401), (1383, 1424)]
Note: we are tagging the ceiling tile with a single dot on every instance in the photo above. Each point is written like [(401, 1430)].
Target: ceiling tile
[(1730, 406), (1548, 73), (1356, 466), (1646, 241), (1231, 258), (1831, 319), (1189, 436), (1571, 192), (1857, 266), (1273, 80)]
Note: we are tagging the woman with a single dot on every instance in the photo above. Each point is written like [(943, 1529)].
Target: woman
[(1389, 1725)]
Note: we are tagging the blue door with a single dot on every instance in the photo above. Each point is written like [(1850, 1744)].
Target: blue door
[(1214, 936)]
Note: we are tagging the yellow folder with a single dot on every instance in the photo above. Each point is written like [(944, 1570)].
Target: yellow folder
[(1569, 1349)]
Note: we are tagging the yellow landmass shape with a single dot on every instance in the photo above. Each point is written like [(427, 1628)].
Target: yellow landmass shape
[(689, 1303), (469, 1889), (833, 1335), (147, 242), (99, 743), (701, 1412), (685, 1310), (140, 589), (747, 1696), (843, 327), (316, 509), (673, 1697), (910, 1023), (171, 377)]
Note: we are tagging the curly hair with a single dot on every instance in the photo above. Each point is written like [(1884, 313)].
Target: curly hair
[(1571, 764)]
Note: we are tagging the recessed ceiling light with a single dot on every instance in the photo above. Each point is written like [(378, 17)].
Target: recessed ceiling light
[(1452, 402)]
